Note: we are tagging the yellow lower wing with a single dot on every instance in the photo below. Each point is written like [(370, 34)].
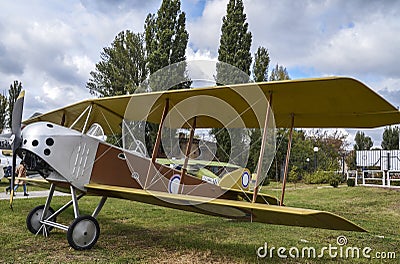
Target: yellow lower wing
[(270, 214)]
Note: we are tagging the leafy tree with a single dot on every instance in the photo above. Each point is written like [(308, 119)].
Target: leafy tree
[(260, 74), (302, 148), (331, 147), (235, 43), (390, 138), (279, 73), (122, 67), (351, 160), (234, 49), (13, 94), (166, 41), (363, 142), (261, 64), (3, 111)]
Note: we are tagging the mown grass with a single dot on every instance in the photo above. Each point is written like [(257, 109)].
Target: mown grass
[(132, 232)]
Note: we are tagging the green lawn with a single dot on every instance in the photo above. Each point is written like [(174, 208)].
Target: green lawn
[(134, 232)]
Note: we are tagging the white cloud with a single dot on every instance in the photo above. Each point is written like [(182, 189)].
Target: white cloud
[(353, 38), (52, 47), (368, 47), (200, 55), (204, 31)]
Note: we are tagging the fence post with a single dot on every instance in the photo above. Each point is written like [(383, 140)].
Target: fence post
[(383, 179), (356, 177), (363, 177)]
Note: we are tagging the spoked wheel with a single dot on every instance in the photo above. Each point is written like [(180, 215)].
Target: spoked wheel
[(83, 233), (33, 219)]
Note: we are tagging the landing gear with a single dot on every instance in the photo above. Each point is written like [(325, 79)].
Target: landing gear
[(34, 217), (82, 233)]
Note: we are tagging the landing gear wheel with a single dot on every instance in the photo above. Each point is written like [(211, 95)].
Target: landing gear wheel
[(83, 233), (33, 219)]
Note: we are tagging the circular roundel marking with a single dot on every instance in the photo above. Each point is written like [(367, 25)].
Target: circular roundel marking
[(173, 185), (245, 179), (47, 152), (35, 143), (49, 142)]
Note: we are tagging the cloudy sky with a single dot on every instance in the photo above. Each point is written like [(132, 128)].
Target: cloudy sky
[(51, 46)]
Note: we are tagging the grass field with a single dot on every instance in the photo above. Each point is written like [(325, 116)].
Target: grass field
[(137, 233)]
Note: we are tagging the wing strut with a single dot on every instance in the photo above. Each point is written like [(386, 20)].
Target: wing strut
[(188, 150), (264, 139), (81, 115), (158, 138), (289, 147)]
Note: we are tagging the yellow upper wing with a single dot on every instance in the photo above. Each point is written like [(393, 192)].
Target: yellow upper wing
[(333, 102)]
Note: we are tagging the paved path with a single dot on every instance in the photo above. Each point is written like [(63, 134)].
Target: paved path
[(33, 194)]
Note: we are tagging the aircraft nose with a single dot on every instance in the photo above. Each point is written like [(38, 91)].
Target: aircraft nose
[(43, 137)]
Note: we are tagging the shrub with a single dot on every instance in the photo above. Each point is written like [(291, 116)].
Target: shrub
[(334, 180), (351, 182), (293, 174), (319, 177)]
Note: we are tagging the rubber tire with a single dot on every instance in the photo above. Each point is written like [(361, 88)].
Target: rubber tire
[(83, 232), (33, 218)]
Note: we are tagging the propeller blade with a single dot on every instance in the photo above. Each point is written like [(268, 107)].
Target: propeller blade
[(16, 138)]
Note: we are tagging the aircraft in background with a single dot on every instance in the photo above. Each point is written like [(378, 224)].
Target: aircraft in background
[(67, 148)]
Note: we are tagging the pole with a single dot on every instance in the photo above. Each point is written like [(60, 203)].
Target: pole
[(287, 161)]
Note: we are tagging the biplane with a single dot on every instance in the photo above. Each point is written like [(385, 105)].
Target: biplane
[(67, 148)]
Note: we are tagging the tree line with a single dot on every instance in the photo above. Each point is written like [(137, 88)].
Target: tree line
[(132, 57)]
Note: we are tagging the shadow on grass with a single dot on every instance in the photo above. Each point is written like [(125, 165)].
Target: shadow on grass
[(152, 242)]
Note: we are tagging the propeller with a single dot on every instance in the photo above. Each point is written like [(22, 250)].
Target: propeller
[(15, 139)]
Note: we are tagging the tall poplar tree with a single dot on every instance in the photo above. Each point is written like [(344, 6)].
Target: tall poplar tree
[(13, 94), (260, 74), (235, 43), (234, 49), (261, 65), (166, 41), (122, 67)]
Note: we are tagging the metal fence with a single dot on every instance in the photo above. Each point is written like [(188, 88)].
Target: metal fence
[(378, 159), (377, 178)]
